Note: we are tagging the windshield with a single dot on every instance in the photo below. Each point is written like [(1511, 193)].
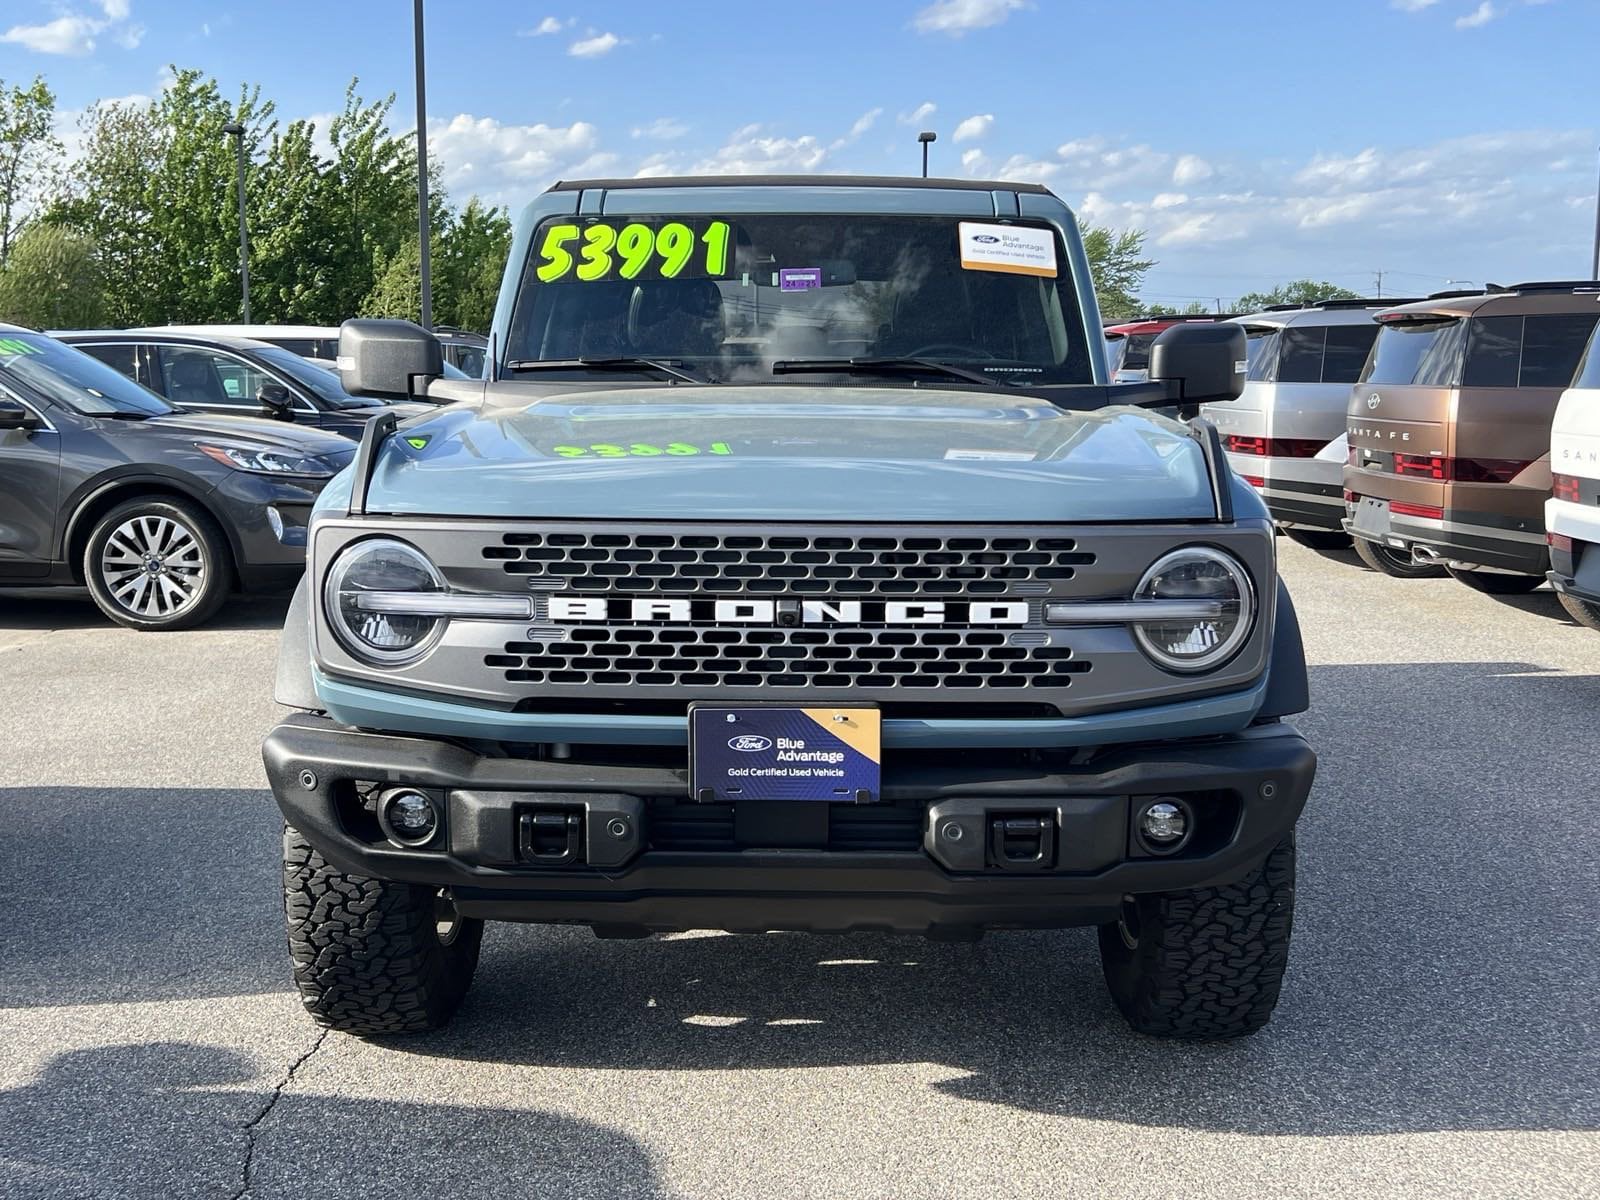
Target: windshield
[(728, 298), (1427, 353), (72, 378), (314, 378), (1136, 352)]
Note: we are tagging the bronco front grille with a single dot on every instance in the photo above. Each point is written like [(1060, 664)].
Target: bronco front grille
[(721, 657), (797, 564)]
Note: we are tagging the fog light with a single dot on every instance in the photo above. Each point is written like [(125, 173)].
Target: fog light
[(275, 520), (1164, 825), (410, 818)]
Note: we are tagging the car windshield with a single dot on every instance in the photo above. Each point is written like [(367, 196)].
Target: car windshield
[(1136, 351), (1426, 352), (314, 378), (70, 377), (729, 298)]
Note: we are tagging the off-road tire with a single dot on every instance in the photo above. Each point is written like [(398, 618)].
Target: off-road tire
[(1494, 583), (1389, 562), (368, 956), (210, 552), (1581, 611), (1318, 539), (1207, 964)]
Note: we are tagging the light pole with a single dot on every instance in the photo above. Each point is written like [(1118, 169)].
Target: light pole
[(926, 137), (1594, 272), (422, 173), (236, 131)]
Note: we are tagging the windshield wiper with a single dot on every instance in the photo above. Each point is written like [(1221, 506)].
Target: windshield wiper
[(621, 363), (880, 366)]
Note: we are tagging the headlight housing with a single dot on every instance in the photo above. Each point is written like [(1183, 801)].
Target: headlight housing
[(1190, 644), (260, 460), (382, 565)]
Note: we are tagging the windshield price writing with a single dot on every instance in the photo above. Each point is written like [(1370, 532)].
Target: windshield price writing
[(674, 250), (639, 450)]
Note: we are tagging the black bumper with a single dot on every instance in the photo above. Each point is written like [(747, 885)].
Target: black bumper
[(928, 858), (1313, 505)]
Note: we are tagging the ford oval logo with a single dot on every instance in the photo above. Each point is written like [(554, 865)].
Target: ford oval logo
[(1374, 400), (750, 743), (988, 239)]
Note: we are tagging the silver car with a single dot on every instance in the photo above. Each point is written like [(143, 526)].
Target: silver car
[(1285, 435)]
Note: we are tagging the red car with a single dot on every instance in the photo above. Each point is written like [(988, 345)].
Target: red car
[(1128, 344)]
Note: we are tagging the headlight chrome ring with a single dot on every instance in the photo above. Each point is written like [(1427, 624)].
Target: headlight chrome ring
[(1192, 646), (388, 566)]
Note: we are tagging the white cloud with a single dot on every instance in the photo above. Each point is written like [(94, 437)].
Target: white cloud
[(510, 164), (1412, 6), (973, 128), (546, 27), (959, 17), (1168, 200), (864, 122), (594, 46), (919, 114), (974, 161), (662, 129), (1479, 16), (74, 34), (1191, 168), (751, 151)]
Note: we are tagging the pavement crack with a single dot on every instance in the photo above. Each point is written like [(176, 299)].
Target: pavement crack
[(251, 1125)]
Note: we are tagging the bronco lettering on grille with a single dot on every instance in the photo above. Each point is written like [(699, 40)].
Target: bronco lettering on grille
[(564, 609)]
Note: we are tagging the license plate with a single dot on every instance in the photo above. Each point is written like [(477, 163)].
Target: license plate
[(771, 752), (1371, 519)]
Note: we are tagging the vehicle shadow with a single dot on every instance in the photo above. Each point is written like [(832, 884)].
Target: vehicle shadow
[(1442, 975), (71, 608), (174, 1118)]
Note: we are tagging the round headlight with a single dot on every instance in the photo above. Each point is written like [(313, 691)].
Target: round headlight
[(1200, 642), (354, 594)]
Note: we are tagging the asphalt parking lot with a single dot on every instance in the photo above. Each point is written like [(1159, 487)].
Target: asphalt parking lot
[(1438, 1036)]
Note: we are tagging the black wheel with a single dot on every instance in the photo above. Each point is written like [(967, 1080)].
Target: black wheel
[(156, 562), (1317, 539), (1394, 562), (1206, 964), (372, 956), (1581, 611), (1494, 583)]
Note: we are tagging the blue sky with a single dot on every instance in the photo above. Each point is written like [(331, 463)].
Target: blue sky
[(1434, 140)]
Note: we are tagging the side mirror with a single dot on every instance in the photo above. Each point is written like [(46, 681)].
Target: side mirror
[(387, 359), (1205, 361), (276, 402), (16, 415)]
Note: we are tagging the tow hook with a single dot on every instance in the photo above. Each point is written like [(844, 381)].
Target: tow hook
[(1022, 842)]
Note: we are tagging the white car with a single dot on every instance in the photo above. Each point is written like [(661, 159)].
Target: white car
[(1572, 514)]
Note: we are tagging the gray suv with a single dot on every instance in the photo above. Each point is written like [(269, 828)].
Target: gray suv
[(797, 567), (160, 513)]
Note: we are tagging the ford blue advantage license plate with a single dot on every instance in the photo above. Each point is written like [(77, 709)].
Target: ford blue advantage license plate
[(768, 752)]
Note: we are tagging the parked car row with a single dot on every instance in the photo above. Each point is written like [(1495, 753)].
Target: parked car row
[(1424, 431), (463, 350)]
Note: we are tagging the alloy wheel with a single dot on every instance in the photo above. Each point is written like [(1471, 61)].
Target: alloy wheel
[(153, 566)]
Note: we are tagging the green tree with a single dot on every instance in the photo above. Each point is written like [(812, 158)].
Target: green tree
[(1195, 308), (52, 280), (1116, 268), (1301, 292), (468, 264), (28, 147), (397, 290)]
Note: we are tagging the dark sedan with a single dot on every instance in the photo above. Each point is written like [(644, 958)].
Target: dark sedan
[(217, 373), (160, 512)]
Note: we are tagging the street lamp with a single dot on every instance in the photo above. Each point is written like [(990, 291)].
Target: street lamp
[(236, 131), (925, 137)]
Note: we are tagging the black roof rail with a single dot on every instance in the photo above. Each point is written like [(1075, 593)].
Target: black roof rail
[(1556, 285), (1365, 302), (1456, 293)]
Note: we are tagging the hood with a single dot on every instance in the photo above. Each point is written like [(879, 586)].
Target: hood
[(787, 453), (279, 434)]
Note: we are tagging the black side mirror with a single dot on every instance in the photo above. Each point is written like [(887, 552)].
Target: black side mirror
[(276, 402), (387, 360), (1205, 360), (16, 415)]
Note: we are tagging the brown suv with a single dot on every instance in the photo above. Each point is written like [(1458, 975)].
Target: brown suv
[(1449, 431)]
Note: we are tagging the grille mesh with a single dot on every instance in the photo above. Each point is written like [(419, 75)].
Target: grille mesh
[(678, 656), (769, 564)]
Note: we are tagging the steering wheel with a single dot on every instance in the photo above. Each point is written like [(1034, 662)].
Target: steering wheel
[(947, 350)]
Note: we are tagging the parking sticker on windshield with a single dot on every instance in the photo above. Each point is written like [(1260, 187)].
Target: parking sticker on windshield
[(1013, 249), (799, 279)]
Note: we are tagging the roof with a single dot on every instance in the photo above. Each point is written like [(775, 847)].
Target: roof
[(1155, 324), (173, 337), (811, 181), (4, 328), (1552, 296), (1334, 312), (257, 331)]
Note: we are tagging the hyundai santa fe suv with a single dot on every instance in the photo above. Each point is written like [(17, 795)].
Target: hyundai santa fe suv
[(1449, 431), (1572, 514), (797, 567)]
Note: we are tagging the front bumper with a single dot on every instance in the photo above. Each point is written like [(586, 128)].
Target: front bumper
[(925, 859), (270, 554)]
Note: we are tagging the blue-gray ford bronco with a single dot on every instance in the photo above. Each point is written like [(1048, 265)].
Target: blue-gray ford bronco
[(796, 566)]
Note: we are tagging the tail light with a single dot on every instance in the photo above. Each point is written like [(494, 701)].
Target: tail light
[(1427, 466), (1246, 445), (1566, 488), (1351, 497), (1559, 541), (1275, 447), (1254, 480), (1486, 470), (1401, 508)]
